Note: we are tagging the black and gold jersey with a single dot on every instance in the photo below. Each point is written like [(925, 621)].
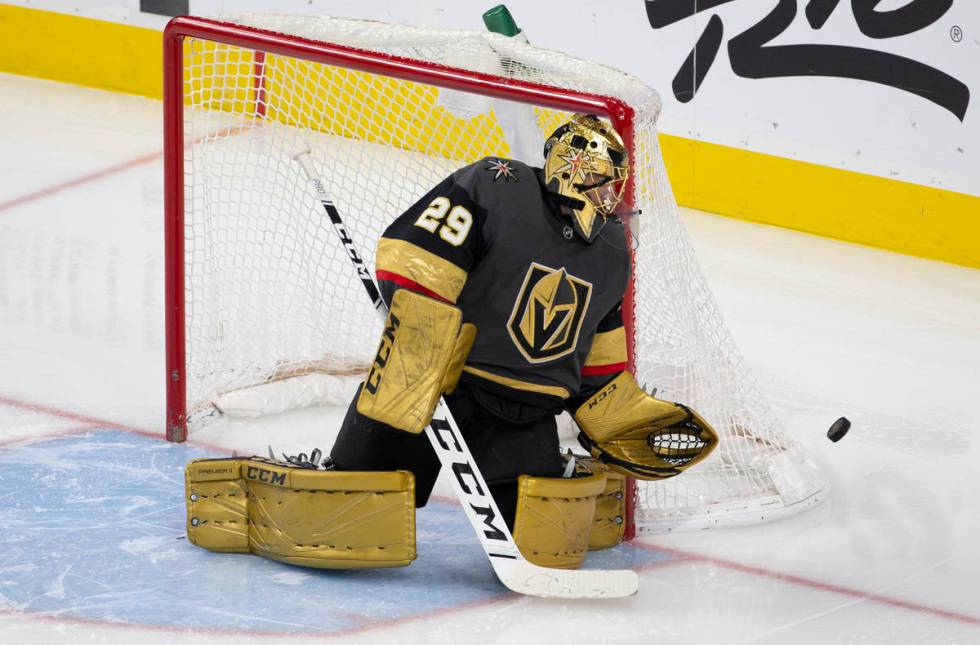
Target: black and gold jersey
[(546, 304)]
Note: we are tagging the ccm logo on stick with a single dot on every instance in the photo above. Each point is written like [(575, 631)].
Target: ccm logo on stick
[(462, 470)]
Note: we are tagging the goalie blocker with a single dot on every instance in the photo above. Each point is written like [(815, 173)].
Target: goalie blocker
[(420, 357)]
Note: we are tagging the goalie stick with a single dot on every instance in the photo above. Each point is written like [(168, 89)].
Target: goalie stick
[(516, 573)]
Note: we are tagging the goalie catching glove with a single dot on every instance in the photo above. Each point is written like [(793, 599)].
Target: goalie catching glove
[(423, 347), (640, 436)]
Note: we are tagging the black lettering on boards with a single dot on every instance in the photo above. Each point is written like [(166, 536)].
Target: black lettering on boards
[(752, 56)]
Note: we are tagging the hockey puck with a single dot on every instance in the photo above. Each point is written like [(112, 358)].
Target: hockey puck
[(838, 429)]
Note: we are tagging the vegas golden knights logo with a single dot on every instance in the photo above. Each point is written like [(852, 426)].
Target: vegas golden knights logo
[(548, 314)]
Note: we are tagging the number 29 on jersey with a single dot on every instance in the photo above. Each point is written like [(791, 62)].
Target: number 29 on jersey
[(452, 222)]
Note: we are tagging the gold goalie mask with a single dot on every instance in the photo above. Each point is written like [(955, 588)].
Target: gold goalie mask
[(587, 166)]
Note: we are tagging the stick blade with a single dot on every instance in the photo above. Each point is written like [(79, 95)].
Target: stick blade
[(532, 580)]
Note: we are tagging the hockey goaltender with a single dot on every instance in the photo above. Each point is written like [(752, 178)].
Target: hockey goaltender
[(505, 285)]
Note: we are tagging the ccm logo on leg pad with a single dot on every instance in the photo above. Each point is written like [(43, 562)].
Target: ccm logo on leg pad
[(258, 474)]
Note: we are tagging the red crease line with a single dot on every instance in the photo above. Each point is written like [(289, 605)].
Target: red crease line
[(369, 625)]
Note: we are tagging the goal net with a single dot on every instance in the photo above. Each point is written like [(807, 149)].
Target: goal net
[(264, 311)]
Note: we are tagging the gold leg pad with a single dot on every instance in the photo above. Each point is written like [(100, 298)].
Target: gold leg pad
[(217, 505), (610, 513), (314, 518), (554, 518)]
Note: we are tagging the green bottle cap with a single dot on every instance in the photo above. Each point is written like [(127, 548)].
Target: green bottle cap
[(499, 20)]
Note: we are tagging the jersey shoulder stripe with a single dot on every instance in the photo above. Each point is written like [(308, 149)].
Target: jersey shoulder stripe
[(407, 264)]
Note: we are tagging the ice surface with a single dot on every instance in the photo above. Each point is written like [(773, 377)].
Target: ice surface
[(102, 518), (91, 508)]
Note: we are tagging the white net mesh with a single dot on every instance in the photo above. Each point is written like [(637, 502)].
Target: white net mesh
[(271, 294)]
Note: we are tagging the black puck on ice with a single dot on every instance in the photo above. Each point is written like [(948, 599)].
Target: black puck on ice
[(838, 429)]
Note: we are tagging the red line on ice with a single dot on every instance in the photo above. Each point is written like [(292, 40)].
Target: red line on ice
[(505, 596), (62, 414), (34, 438), (111, 170), (84, 179), (91, 423), (814, 584)]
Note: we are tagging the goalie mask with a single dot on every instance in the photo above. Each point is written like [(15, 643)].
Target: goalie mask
[(586, 165)]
